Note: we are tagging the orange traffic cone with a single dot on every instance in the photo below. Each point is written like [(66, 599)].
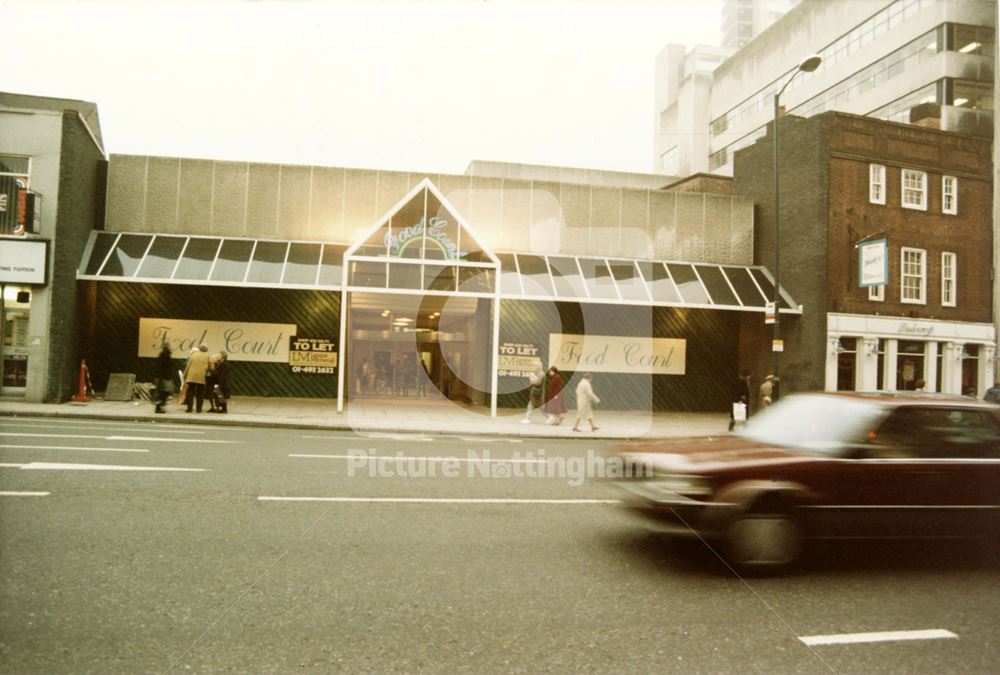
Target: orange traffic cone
[(81, 394)]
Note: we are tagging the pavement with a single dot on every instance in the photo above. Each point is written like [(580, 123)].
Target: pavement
[(388, 416)]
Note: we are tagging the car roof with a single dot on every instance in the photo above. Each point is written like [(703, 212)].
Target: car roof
[(893, 399)]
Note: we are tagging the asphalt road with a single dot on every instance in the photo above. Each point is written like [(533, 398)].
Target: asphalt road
[(486, 566)]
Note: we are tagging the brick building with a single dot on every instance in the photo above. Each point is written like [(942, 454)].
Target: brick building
[(915, 204)]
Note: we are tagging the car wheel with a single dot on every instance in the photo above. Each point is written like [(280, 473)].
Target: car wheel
[(765, 538)]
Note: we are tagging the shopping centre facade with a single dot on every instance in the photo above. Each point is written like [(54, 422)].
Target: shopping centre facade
[(347, 284)]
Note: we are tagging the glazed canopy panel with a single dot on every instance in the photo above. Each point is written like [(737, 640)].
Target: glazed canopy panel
[(229, 261)]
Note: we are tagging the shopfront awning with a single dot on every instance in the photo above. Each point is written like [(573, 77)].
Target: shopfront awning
[(266, 263)]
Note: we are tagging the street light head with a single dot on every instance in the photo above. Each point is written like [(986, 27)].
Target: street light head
[(810, 63)]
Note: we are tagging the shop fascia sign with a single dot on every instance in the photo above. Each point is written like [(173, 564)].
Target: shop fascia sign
[(397, 243), (262, 342), (23, 261), (616, 354), (873, 263)]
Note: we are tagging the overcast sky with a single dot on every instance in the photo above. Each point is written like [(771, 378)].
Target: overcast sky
[(409, 85)]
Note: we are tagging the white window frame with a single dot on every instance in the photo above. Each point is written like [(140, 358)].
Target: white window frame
[(905, 275), (913, 182), (876, 293), (949, 279), (876, 184), (949, 195)]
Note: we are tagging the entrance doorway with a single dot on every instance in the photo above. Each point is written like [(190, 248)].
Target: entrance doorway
[(416, 346)]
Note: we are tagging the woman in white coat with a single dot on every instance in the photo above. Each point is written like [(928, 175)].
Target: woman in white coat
[(585, 398)]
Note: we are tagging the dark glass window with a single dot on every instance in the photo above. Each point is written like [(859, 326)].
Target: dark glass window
[(660, 284), (746, 289), (716, 284), (441, 241), (440, 278), (102, 246), (475, 280), (598, 278), (403, 275), (332, 265), (407, 231), (125, 259), (535, 275), (234, 257), (630, 285), (162, 257), (567, 278), (198, 257), (768, 287), (510, 281), (367, 274), (303, 264), (688, 284), (268, 262)]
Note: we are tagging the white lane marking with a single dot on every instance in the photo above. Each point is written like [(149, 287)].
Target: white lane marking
[(71, 447), (62, 466), (165, 440), (484, 439), (119, 438), (421, 458), (12, 493), (416, 438), (421, 500), (172, 428), (7, 465), (889, 636)]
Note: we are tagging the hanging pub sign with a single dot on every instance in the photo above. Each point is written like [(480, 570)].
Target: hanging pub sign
[(518, 359), (873, 263), (615, 354), (312, 356)]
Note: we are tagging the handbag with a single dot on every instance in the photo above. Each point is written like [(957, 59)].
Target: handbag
[(740, 412)]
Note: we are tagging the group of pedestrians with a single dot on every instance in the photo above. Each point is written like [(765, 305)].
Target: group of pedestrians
[(545, 392), (203, 376), (740, 400)]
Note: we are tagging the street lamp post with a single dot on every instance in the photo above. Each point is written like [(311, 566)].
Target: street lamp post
[(807, 65)]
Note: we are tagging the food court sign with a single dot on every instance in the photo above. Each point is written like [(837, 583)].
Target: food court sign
[(414, 234), (614, 354), (267, 342)]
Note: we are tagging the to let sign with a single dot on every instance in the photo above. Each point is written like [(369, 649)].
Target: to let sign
[(312, 356)]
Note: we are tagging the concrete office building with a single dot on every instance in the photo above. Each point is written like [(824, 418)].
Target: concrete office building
[(881, 58), (742, 20)]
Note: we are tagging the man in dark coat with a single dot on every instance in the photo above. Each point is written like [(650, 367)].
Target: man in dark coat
[(222, 380), (741, 394), (164, 377)]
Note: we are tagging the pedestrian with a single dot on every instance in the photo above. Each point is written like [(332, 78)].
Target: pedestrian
[(741, 394), (536, 381), (554, 405), (585, 398), (194, 377), (221, 369), (764, 394), (993, 393), (164, 377)]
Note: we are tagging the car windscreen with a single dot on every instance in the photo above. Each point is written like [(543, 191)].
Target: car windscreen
[(826, 424)]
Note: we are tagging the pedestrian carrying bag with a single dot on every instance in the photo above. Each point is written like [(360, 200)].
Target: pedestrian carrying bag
[(740, 412)]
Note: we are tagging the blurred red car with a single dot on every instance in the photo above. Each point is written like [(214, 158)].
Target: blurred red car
[(826, 466)]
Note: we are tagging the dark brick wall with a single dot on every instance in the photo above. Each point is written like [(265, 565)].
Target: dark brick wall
[(81, 190), (857, 143), (825, 210), (804, 197)]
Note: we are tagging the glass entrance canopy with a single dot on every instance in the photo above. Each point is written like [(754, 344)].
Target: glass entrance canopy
[(266, 263)]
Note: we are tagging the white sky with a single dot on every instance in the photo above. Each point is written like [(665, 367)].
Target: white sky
[(405, 85)]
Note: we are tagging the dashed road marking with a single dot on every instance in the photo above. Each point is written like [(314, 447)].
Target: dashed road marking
[(154, 439), (420, 458), (888, 636), (63, 466), (70, 447), (422, 500), (22, 493)]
